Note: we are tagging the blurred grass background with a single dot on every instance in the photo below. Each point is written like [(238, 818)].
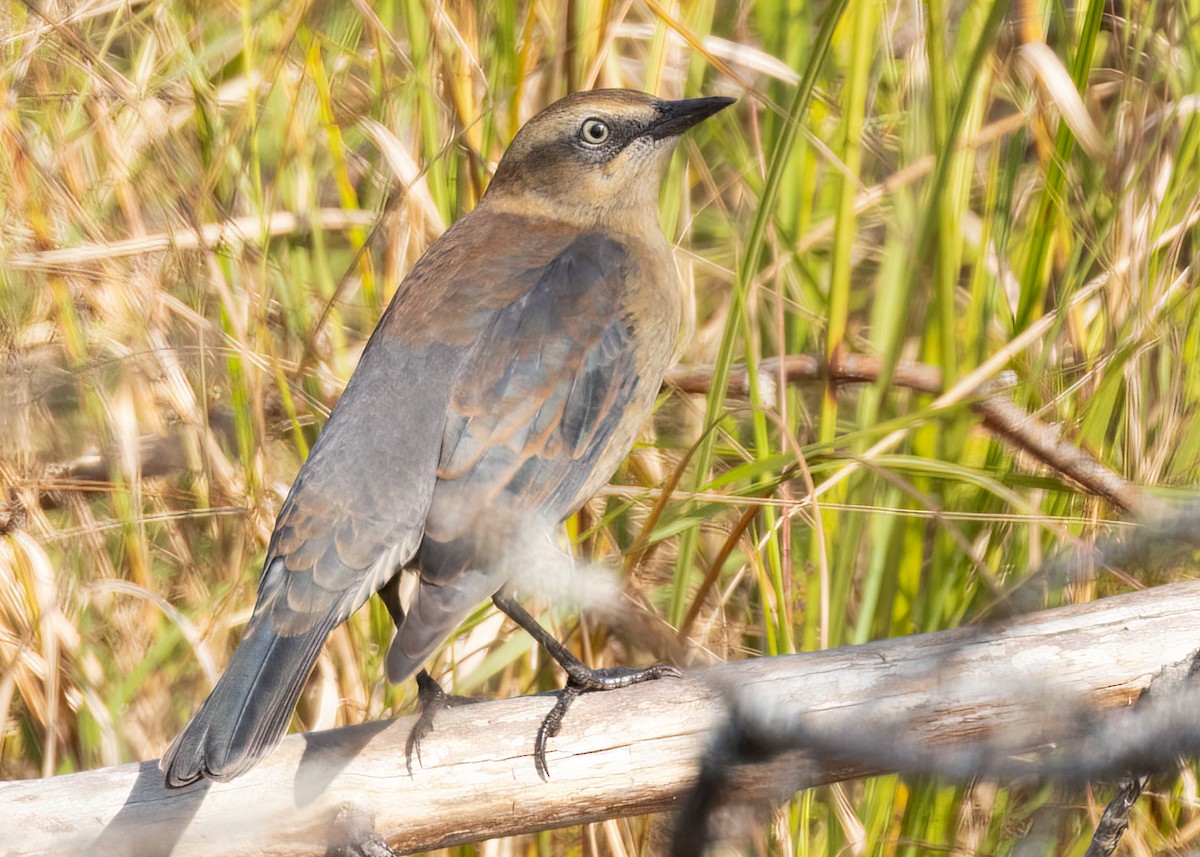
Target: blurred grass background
[(204, 208)]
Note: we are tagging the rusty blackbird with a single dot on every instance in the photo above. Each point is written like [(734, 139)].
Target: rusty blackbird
[(504, 384)]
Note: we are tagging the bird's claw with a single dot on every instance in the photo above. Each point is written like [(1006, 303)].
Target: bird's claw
[(432, 699), (617, 677), (551, 723), (581, 680)]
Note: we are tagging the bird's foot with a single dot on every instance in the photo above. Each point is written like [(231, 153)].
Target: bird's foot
[(582, 679), (431, 699)]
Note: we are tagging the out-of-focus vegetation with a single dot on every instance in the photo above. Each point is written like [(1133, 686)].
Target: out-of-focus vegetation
[(205, 207)]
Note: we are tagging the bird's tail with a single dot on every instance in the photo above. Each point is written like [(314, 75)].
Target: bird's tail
[(246, 714)]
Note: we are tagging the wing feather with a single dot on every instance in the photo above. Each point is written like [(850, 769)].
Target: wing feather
[(540, 395), (358, 509)]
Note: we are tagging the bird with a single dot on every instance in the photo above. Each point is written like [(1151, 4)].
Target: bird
[(503, 385)]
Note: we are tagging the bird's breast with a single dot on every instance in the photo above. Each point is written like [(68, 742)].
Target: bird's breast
[(654, 305)]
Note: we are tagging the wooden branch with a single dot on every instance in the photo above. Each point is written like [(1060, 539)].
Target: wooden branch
[(622, 753), (995, 407)]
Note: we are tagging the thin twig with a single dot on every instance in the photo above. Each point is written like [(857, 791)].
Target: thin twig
[(1116, 817), (998, 412)]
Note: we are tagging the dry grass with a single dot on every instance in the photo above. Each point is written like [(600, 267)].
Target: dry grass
[(205, 207)]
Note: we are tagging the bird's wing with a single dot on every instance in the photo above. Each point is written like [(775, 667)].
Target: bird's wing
[(357, 509), (541, 395), (538, 416)]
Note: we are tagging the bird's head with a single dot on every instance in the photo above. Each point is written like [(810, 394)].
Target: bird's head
[(597, 156)]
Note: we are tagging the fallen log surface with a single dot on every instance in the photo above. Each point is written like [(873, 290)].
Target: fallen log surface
[(622, 753)]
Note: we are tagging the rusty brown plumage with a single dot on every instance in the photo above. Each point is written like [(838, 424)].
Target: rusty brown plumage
[(503, 385)]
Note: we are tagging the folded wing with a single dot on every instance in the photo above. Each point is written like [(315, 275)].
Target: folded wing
[(538, 416)]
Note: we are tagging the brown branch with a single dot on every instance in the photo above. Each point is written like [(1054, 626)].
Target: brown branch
[(995, 407), (623, 753)]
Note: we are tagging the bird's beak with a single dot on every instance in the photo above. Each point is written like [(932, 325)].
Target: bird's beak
[(675, 117)]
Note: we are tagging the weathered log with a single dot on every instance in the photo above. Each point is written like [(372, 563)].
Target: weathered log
[(622, 753)]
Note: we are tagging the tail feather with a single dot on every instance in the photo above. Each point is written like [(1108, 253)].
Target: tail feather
[(246, 715)]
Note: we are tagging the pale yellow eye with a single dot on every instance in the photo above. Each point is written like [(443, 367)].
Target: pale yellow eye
[(594, 131)]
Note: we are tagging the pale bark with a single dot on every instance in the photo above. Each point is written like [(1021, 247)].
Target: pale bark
[(621, 753)]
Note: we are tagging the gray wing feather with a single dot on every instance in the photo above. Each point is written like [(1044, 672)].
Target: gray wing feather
[(355, 513), (541, 393), (363, 494), (539, 396)]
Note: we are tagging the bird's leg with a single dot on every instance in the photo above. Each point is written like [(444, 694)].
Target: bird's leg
[(580, 677), (430, 696), (431, 699)]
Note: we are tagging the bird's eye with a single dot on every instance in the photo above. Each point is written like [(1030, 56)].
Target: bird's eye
[(594, 131)]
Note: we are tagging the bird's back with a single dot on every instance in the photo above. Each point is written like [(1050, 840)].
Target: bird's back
[(548, 401)]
